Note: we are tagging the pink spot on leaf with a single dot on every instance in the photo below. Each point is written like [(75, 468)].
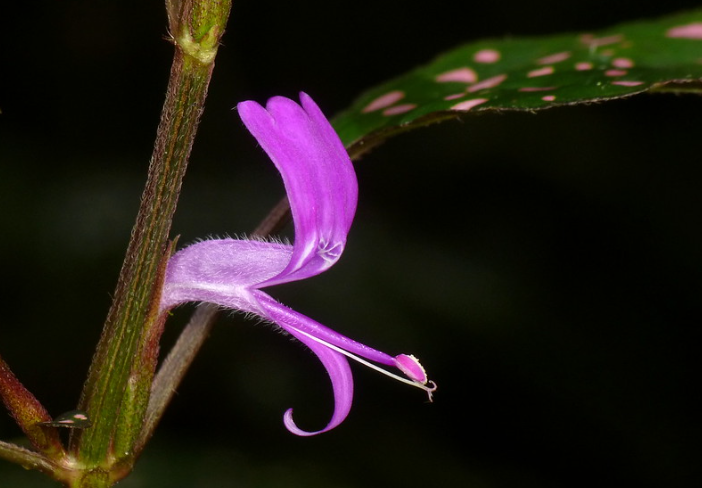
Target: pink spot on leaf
[(615, 72), (583, 66), (461, 75), (546, 70), (689, 31), (548, 98), (488, 83), (554, 58), (528, 89), (469, 104), (384, 101), (487, 56), (622, 63), (399, 109), (627, 83), (454, 96)]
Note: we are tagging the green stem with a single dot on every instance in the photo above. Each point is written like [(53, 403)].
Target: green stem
[(133, 311), (116, 393)]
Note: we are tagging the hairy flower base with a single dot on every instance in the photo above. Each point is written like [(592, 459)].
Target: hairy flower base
[(322, 190)]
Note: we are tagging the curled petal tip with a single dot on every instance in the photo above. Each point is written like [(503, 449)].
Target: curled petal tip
[(293, 428), (342, 383)]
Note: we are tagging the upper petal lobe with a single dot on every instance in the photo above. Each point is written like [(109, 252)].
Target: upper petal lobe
[(318, 176)]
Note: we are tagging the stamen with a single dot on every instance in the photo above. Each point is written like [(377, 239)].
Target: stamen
[(429, 387), (411, 367)]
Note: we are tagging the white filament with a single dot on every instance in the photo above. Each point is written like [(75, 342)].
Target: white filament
[(429, 388)]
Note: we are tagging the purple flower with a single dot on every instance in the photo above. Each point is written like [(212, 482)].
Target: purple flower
[(323, 191)]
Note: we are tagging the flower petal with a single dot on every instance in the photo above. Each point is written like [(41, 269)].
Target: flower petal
[(293, 321), (342, 384), (222, 271), (318, 176)]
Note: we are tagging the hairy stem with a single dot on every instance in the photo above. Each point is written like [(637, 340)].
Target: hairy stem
[(116, 393)]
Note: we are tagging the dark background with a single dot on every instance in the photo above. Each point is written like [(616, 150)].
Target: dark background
[(545, 268)]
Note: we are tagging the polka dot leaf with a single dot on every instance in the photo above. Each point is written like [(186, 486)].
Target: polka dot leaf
[(532, 74)]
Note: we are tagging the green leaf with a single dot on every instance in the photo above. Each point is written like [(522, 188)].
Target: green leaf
[(532, 74)]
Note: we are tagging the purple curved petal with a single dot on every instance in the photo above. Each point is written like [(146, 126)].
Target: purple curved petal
[(222, 271), (295, 322), (342, 385), (318, 176)]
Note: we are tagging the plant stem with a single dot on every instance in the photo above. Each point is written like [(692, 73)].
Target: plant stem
[(26, 458), (116, 392), (29, 413), (133, 313)]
